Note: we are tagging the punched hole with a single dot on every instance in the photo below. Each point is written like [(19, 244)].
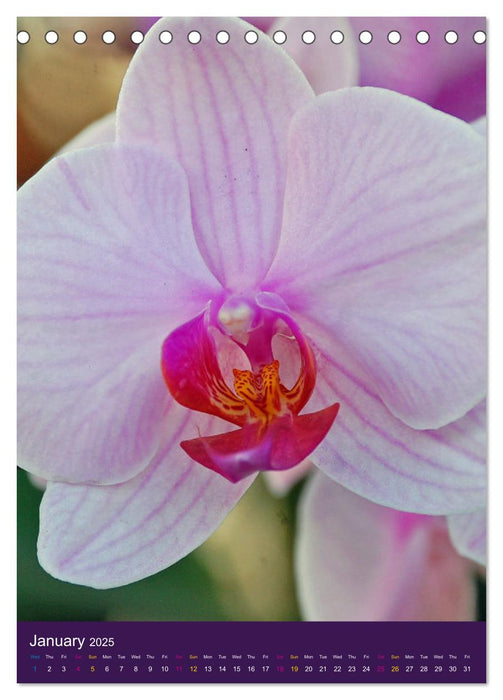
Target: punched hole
[(337, 37), (165, 37), (251, 37), (194, 37), (108, 37), (51, 37)]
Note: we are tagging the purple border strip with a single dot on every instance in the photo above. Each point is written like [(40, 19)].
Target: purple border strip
[(251, 652)]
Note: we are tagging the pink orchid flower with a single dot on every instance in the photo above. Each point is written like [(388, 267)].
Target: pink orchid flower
[(468, 531), (246, 254), (449, 76), (356, 560), (452, 77)]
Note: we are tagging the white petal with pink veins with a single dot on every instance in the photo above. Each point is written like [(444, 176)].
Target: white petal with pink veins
[(384, 245), (373, 453), (107, 266), (107, 536), (327, 66), (223, 112)]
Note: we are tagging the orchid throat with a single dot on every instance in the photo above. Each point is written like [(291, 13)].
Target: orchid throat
[(271, 435)]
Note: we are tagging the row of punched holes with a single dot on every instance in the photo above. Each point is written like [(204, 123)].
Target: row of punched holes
[(251, 37)]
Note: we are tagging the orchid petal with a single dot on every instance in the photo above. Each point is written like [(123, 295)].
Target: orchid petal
[(480, 126), (262, 23), (107, 536), (286, 443), (303, 388), (99, 132), (356, 560), (105, 246), (396, 192), (468, 533), (192, 373), (374, 454), (450, 77), (326, 65), (223, 113)]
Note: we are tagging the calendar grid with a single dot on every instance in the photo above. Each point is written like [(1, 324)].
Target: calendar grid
[(249, 652)]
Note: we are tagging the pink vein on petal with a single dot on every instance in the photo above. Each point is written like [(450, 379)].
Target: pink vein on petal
[(179, 517), (223, 140), (175, 438), (204, 171), (244, 125), (74, 184), (258, 94), (382, 433)]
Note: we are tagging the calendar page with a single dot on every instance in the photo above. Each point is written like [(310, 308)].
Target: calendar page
[(252, 350)]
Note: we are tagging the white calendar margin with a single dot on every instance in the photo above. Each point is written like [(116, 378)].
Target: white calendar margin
[(8, 339)]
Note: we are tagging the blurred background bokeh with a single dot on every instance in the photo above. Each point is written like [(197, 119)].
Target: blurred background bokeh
[(65, 86), (243, 572)]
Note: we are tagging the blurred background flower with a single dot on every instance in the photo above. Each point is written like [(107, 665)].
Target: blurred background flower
[(250, 552), (448, 76), (354, 560), (357, 560), (64, 86)]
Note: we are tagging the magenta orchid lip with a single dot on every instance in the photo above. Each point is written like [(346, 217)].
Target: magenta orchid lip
[(272, 435)]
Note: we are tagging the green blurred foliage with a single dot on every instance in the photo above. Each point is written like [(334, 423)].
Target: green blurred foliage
[(185, 591), (481, 599), (243, 572), (222, 580)]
